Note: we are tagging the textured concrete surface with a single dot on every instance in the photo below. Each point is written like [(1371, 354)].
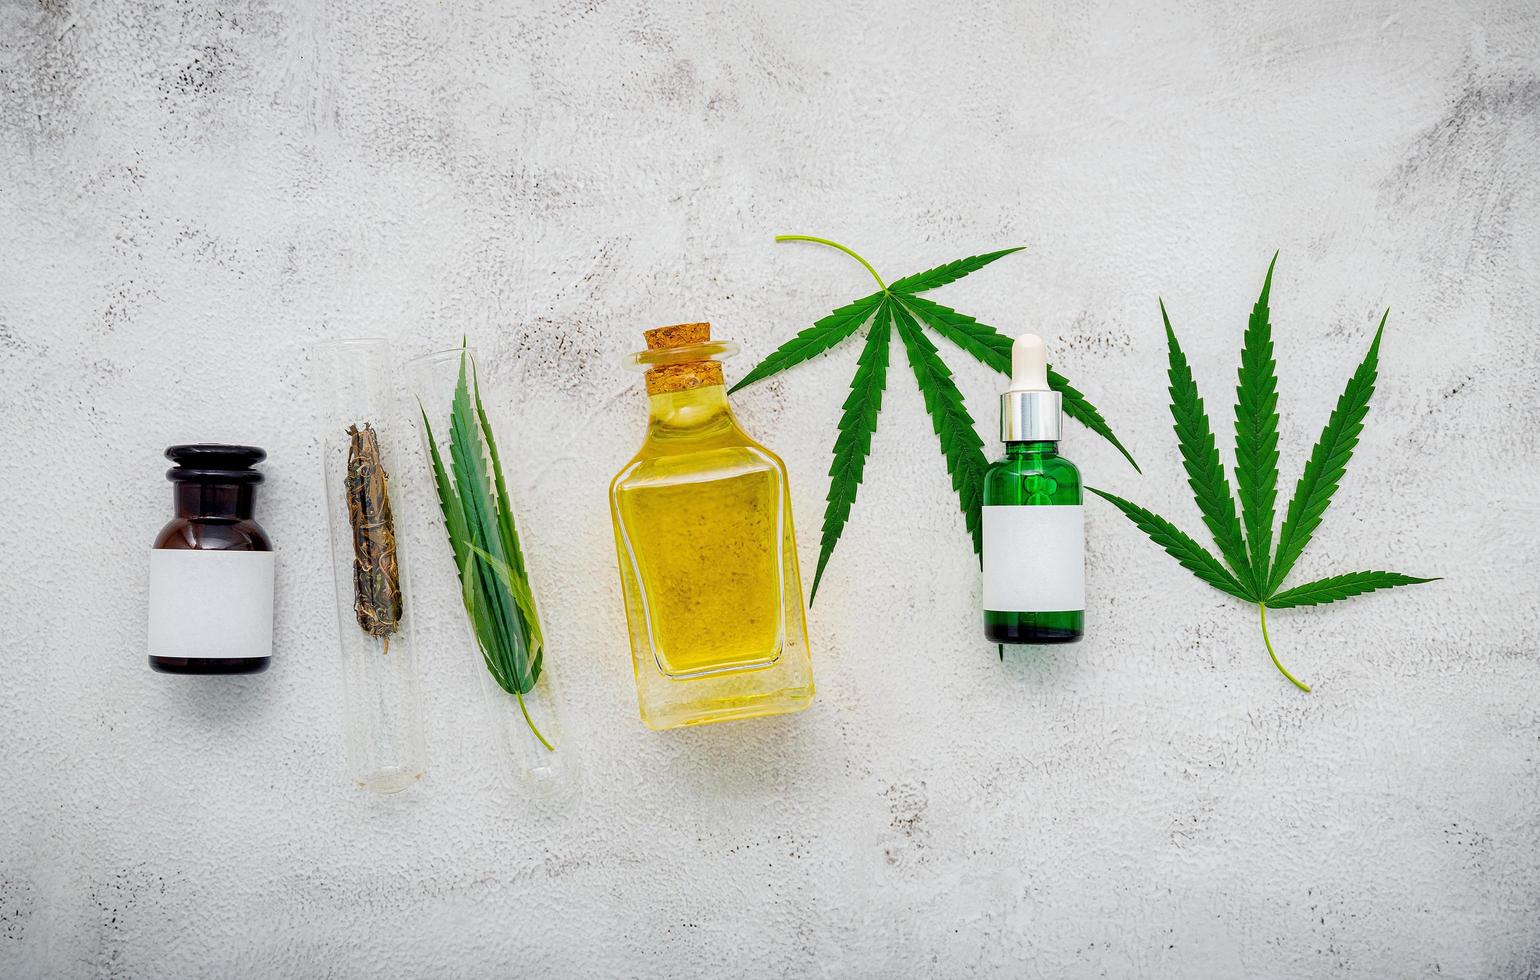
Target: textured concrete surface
[(193, 194)]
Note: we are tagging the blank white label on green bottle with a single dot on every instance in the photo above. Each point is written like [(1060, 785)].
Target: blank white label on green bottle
[(1034, 558)]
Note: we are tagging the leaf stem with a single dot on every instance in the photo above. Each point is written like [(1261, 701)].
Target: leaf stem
[(847, 251), (1262, 608), (551, 748)]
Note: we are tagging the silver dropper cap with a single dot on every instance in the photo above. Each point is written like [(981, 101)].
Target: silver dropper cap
[(1029, 410)]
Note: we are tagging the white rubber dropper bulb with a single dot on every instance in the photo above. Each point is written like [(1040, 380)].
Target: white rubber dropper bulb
[(1029, 363)]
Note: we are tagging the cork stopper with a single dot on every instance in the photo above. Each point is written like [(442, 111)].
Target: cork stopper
[(679, 335), (685, 374)]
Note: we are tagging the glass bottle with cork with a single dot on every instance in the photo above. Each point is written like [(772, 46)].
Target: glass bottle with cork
[(707, 554)]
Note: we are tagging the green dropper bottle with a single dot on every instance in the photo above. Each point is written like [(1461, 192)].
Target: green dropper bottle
[(1034, 525)]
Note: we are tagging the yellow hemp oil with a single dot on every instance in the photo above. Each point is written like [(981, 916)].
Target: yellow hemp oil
[(708, 560)]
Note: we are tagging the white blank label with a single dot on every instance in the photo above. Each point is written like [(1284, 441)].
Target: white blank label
[(1034, 558), (214, 605)]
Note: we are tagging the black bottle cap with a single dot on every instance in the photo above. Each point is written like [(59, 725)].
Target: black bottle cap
[(211, 462)]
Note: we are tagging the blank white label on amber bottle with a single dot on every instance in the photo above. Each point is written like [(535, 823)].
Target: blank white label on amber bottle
[(1034, 558), (214, 605)]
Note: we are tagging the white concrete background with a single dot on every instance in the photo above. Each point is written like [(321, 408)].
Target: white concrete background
[(194, 194)]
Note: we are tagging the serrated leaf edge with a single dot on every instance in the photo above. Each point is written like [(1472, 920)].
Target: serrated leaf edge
[(1334, 588), (1256, 433), (1327, 464), (814, 340), (1178, 544), (1200, 458), (954, 427), (857, 425)]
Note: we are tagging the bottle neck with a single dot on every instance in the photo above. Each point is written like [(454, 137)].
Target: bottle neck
[(693, 411), (224, 501), (1032, 448)]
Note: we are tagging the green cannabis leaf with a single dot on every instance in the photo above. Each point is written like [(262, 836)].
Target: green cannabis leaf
[(478, 517), (898, 308), (1255, 574)]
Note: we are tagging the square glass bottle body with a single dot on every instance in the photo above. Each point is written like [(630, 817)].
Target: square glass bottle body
[(708, 567)]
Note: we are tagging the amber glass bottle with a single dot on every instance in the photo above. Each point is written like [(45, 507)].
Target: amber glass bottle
[(211, 570)]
